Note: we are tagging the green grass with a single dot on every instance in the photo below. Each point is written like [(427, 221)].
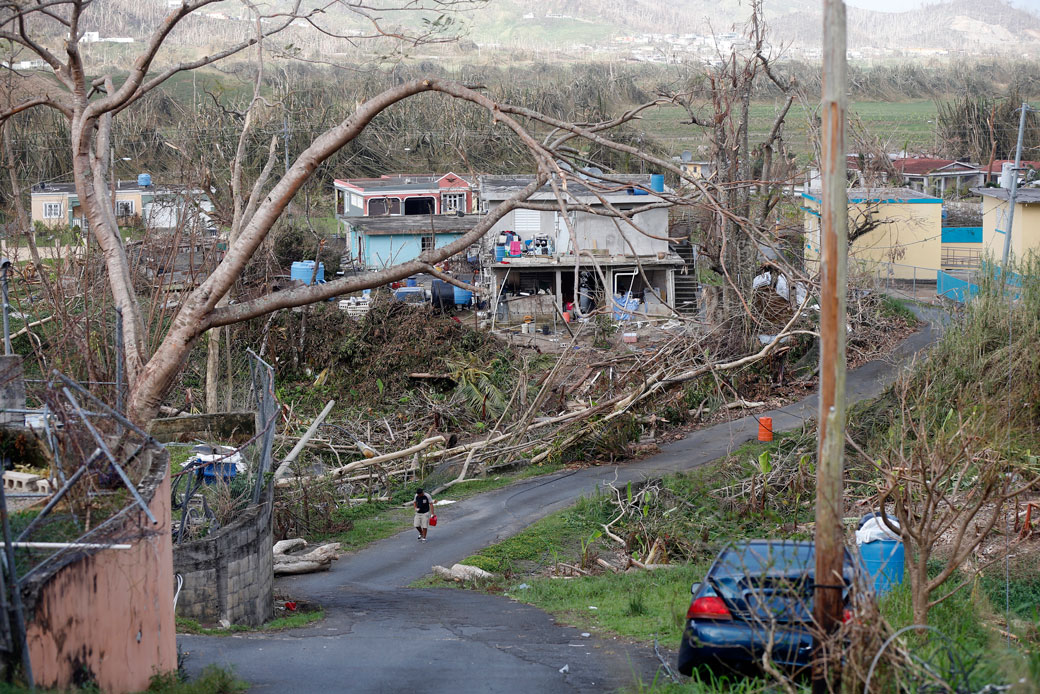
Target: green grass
[(897, 308), (904, 124), (553, 538), (291, 621), (643, 606), (213, 680)]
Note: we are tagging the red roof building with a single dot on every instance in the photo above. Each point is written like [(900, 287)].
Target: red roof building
[(936, 176)]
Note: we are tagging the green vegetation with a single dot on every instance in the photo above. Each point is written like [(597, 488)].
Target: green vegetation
[(892, 307), (646, 605), (213, 680), (290, 621), (554, 537), (906, 124)]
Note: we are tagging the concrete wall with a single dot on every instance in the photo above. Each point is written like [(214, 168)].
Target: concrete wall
[(909, 234), (38, 200), (1025, 235), (232, 427), (229, 575), (595, 232), (107, 615), (72, 213)]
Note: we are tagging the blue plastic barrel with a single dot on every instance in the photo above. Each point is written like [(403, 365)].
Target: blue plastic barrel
[(463, 297), (883, 560), (657, 183), (411, 282), (222, 470), (144, 180), (303, 269)]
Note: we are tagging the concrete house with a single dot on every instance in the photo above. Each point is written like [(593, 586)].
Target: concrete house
[(693, 167), (393, 218), (937, 176), (907, 235), (540, 260), (1025, 232)]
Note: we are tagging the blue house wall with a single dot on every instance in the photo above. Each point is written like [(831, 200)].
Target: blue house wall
[(385, 250)]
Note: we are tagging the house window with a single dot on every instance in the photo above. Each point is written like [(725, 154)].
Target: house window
[(427, 243), (124, 208), (52, 210), (453, 202), (341, 202), (379, 207)]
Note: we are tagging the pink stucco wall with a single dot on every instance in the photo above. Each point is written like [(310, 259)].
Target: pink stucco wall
[(109, 616)]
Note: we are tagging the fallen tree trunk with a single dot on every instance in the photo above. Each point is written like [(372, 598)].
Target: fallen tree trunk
[(318, 559), (341, 471), (311, 431)]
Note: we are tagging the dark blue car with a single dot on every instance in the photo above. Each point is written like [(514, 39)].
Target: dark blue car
[(758, 595)]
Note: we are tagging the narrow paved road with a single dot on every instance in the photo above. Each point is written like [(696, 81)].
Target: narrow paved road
[(382, 637)]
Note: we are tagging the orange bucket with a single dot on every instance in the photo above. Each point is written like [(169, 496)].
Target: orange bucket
[(765, 428), (566, 316)]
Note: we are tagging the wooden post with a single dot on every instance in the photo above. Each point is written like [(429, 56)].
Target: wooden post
[(834, 258)]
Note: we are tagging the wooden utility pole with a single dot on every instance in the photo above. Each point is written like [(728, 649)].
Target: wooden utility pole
[(834, 218)]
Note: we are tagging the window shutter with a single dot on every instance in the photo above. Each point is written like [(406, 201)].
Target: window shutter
[(527, 221)]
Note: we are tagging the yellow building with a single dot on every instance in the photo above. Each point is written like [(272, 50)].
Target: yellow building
[(57, 204), (694, 169), (1025, 232), (904, 240)]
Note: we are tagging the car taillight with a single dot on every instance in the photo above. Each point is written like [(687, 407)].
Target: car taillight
[(708, 608)]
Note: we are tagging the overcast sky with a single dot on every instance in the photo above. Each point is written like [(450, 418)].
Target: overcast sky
[(903, 5)]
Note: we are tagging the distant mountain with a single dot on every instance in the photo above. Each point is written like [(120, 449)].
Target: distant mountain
[(953, 25), (964, 26)]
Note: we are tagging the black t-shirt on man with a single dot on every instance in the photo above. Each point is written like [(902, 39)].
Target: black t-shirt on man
[(422, 503)]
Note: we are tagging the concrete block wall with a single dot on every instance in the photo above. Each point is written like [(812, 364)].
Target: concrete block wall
[(229, 575)]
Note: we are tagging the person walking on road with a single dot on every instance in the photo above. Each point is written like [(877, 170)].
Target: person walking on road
[(423, 504)]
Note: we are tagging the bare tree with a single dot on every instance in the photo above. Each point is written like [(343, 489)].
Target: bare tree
[(947, 489), (732, 243)]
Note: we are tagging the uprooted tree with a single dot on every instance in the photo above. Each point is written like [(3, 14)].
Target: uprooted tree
[(89, 103)]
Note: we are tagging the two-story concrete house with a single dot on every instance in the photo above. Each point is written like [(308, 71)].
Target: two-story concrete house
[(575, 256)]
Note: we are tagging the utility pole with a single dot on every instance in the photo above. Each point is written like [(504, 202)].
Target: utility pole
[(834, 218), (1013, 194)]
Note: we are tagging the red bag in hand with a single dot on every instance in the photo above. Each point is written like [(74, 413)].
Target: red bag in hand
[(433, 520)]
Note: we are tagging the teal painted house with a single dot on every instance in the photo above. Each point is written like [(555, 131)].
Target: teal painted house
[(378, 242)]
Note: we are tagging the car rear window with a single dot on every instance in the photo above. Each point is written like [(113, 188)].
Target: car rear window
[(768, 581)]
